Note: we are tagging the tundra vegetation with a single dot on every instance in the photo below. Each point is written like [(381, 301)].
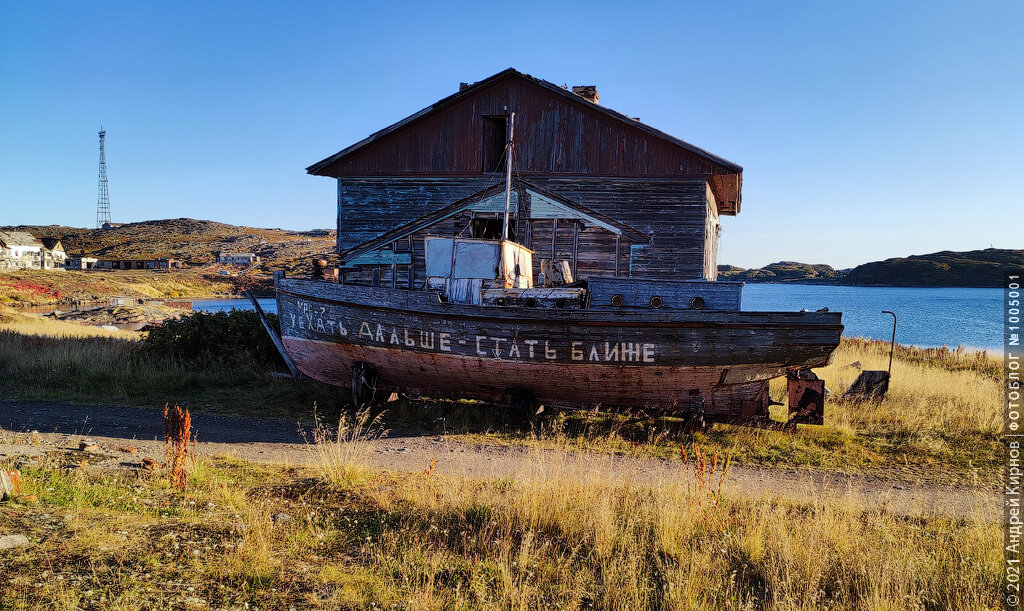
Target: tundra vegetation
[(26, 287), (191, 241), (341, 534)]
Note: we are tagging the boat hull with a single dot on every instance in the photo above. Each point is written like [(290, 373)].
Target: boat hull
[(719, 362)]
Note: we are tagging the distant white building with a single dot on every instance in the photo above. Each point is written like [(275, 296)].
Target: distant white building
[(238, 258), (53, 254), (21, 250), (81, 262)]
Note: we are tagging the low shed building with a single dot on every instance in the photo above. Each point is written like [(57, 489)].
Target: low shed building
[(238, 258), (127, 264), (82, 262), (602, 190)]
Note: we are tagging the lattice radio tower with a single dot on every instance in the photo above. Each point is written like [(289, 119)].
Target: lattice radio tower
[(103, 203)]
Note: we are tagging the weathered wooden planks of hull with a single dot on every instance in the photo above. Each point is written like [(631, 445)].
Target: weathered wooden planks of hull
[(659, 359)]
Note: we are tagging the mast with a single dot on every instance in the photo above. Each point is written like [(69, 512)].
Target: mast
[(508, 174), (103, 199)]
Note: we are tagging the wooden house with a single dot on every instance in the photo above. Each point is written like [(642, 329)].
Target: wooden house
[(19, 250), (22, 250), (53, 255), (609, 194)]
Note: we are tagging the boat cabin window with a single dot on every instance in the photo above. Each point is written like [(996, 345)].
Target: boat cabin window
[(495, 137)]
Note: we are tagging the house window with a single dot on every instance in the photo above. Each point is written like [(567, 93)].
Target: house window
[(495, 138), (487, 228)]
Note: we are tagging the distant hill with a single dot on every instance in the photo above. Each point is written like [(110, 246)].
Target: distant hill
[(783, 271), (975, 268), (192, 241)]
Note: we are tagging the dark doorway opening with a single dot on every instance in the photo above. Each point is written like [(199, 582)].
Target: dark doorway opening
[(495, 137)]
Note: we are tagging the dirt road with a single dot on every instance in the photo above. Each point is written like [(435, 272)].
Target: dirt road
[(31, 427)]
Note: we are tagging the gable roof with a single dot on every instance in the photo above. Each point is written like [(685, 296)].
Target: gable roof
[(52, 243), (727, 178), (18, 238)]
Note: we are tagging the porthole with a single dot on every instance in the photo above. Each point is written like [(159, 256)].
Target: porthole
[(560, 304), (618, 300), (697, 303), (657, 302), (531, 302)]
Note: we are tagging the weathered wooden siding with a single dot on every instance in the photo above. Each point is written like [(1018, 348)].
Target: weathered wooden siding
[(595, 251), (675, 295), (369, 207), (671, 212), (554, 135)]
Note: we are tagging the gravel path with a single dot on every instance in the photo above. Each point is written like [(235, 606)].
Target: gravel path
[(32, 427)]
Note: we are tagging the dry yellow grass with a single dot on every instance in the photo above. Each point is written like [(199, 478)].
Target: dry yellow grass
[(343, 452), (940, 422), (39, 326), (922, 395), (555, 537), (46, 359), (561, 536)]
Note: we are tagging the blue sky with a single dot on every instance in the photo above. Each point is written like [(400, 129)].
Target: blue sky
[(866, 130)]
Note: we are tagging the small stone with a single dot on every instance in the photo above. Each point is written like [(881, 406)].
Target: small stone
[(6, 486), (13, 541), (15, 477), (281, 517), (128, 449), (149, 464)]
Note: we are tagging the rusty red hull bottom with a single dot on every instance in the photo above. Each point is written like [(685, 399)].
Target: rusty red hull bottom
[(656, 387)]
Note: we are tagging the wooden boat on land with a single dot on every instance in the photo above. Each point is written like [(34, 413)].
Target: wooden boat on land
[(476, 316), (708, 362)]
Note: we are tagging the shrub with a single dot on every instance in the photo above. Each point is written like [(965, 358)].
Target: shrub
[(218, 336)]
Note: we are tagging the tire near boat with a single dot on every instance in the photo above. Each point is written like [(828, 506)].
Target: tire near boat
[(364, 384)]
